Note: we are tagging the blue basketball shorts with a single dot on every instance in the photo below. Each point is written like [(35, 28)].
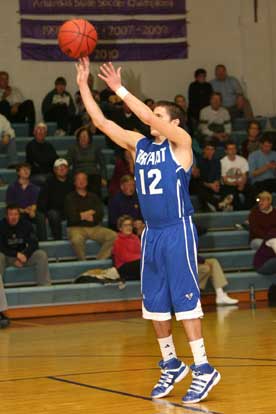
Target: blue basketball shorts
[(169, 277)]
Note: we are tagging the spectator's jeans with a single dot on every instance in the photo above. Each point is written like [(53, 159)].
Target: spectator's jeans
[(55, 222), (10, 150), (268, 268), (38, 259), (211, 269), (255, 243), (59, 114), (105, 237)]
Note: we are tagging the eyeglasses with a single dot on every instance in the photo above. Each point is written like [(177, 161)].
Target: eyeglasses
[(127, 225)]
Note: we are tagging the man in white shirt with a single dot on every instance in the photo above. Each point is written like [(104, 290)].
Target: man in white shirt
[(214, 120), (7, 141), (234, 173), (12, 103)]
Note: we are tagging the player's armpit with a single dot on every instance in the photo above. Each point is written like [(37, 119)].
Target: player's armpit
[(123, 137)]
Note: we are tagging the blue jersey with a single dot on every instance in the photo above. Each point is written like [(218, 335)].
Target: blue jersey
[(162, 184)]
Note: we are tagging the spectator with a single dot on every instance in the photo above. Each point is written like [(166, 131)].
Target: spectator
[(41, 155), (150, 103), (209, 191), (24, 194), (252, 142), (211, 268), (7, 143), (265, 258), (181, 102), (19, 246), (262, 166), (12, 104), (262, 220), (124, 202), (124, 165), (84, 213), (234, 172), (52, 197), (228, 86), (82, 118), (124, 117), (58, 106), (126, 250), (200, 93), (215, 120), (84, 156), (241, 109)]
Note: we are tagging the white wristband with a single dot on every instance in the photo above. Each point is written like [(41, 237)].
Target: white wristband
[(122, 92)]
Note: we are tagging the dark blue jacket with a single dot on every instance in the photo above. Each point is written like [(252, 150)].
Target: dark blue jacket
[(20, 238)]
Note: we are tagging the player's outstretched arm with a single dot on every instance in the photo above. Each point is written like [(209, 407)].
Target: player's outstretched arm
[(172, 131), (124, 138)]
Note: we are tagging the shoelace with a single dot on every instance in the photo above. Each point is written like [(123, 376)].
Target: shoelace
[(165, 380), (197, 384)]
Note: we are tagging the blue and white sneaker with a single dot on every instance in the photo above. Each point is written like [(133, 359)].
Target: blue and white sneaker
[(172, 371), (205, 377)]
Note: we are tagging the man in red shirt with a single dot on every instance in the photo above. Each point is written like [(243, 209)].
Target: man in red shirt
[(262, 220)]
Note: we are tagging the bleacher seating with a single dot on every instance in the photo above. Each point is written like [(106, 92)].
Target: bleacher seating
[(223, 241)]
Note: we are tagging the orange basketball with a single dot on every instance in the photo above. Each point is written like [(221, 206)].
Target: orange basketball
[(77, 38)]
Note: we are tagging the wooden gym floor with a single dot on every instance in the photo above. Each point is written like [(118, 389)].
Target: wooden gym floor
[(107, 364)]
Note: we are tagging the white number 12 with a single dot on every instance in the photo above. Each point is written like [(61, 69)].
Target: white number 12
[(156, 175)]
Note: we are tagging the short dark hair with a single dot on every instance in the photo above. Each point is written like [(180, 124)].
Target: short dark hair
[(80, 130), (23, 165), (266, 138), (199, 72), (60, 81), (78, 173), (216, 94), (229, 142), (210, 144), (254, 122), (220, 65), (12, 206), (148, 100), (174, 111)]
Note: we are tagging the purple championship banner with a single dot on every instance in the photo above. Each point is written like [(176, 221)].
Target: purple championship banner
[(86, 7), (110, 52), (110, 30)]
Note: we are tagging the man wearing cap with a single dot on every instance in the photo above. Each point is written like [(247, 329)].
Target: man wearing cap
[(52, 197), (58, 106), (262, 220), (41, 155)]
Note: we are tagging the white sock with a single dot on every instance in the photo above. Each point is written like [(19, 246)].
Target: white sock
[(167, 348), (198, 350), (219, 292)]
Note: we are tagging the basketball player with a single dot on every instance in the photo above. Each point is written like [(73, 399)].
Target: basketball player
[(169, 258)]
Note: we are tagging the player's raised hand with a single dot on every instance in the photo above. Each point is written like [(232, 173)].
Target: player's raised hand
[(83, 70), (111, 76)]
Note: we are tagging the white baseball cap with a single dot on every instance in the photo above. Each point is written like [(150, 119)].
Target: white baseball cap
[(59, 162)]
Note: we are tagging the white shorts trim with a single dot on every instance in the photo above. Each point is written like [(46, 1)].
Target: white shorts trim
[(192, 314), (156, 316)]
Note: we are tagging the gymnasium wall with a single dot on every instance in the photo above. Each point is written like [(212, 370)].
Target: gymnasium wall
[(220, 31)]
